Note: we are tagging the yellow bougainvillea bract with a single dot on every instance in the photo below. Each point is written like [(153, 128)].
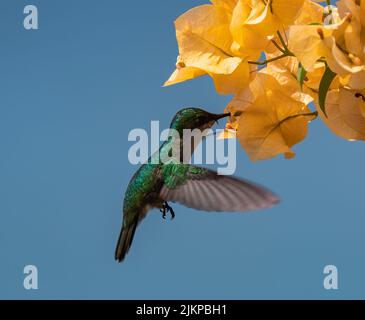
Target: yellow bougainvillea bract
[(277, 57)]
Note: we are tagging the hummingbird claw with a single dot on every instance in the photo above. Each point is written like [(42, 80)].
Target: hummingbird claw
[(167, 208), (172, 213), (163, 210)]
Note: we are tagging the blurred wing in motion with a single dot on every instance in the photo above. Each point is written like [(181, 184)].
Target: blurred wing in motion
[(204, 189)]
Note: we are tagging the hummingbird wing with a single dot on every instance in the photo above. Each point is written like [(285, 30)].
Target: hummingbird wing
[(204, 189)]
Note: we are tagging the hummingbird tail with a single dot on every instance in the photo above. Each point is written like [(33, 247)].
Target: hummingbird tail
[(125, 241)]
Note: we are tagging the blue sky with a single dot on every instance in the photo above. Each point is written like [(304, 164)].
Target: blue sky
[(70, 93)]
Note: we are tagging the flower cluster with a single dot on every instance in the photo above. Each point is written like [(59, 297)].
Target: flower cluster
[(276, 57)]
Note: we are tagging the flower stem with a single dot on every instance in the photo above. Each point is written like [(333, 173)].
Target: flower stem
[(277, 46), (282, 41), (262, 63), (285, 50)]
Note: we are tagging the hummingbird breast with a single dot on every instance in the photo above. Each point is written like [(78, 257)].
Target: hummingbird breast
[(142, 191)]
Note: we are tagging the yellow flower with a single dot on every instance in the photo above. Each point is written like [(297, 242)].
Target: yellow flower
[(314, 77), (234, 82), (357, 80), (205, 42), (341, 55), (285, 11), (285, 72), (311, 12), (246, 33), (341, 44), (183, 73), (226, 4), (269, 120), (254, 20), (269, 112), (344, 109), (353, 40), (306, 42)]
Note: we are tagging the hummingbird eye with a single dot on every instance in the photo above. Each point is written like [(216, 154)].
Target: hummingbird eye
[(198, 120)]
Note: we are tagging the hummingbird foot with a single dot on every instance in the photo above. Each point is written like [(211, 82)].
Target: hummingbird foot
[(166, 208), (163, 210)]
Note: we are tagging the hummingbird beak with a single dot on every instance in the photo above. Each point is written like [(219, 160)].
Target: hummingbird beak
[(223, 115), (216, 117)]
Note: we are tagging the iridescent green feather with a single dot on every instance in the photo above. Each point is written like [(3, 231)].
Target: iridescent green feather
[(174, 175)]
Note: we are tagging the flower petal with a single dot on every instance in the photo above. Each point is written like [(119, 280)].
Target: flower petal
[(344, 115)]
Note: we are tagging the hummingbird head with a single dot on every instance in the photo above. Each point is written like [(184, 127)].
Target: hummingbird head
[(195, 118)]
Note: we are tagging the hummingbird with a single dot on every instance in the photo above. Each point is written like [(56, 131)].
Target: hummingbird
[(155, 183)]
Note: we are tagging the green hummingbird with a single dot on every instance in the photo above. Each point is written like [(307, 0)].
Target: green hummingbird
[(157, 183)]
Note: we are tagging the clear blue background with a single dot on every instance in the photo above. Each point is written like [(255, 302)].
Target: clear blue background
[(69, 95)]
